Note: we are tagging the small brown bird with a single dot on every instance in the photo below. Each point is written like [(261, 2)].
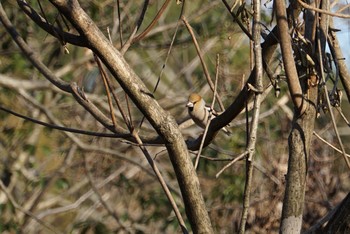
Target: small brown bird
[(199, 112)]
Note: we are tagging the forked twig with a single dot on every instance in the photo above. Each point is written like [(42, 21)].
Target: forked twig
[(109, 89), (128, 43)]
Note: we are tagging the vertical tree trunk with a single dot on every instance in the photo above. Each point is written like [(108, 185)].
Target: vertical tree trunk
[(303, 123), (299, 148)]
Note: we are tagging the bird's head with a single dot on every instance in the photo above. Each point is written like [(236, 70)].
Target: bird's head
[(193, 99)]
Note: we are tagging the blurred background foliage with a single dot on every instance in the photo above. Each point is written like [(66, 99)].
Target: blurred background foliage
[(47, 170)]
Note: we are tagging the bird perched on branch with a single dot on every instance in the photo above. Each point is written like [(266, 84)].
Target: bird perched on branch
[(199, 112)]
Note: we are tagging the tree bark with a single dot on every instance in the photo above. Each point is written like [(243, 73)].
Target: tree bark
[(304, 96), (299, 148)]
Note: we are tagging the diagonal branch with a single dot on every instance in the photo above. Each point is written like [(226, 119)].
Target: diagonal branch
[(326, 12), (205, 68), (154, 21), (52, 30), (288, 58)]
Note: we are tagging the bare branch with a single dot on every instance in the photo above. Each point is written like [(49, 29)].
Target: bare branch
[(210, 113), (154, 21), (288, 58), (51, 29), (339, 15), (256, 111), (205, 68)]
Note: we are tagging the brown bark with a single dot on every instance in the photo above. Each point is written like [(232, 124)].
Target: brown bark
[(304, 94)]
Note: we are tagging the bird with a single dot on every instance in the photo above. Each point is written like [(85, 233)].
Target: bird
[(199, 112)]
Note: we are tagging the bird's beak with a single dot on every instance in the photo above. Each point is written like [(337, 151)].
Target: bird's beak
[(189, 104)]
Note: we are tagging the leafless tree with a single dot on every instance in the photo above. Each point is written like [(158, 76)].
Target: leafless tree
[(129, 106)]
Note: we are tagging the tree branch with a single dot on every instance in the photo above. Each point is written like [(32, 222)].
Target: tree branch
[(52, 30), (288, 58)]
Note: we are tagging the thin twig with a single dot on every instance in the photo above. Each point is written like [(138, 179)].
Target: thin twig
[(235, 19), (129, 111), (128, 43), (154, 21), (116, 99), (329, 144), (307, 6), (105, 83), (205, 68), (120, 24), (256, 111), (62, 128), (342, 115), (168, 54), (210, 113), (239, 157), (325, 90)]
